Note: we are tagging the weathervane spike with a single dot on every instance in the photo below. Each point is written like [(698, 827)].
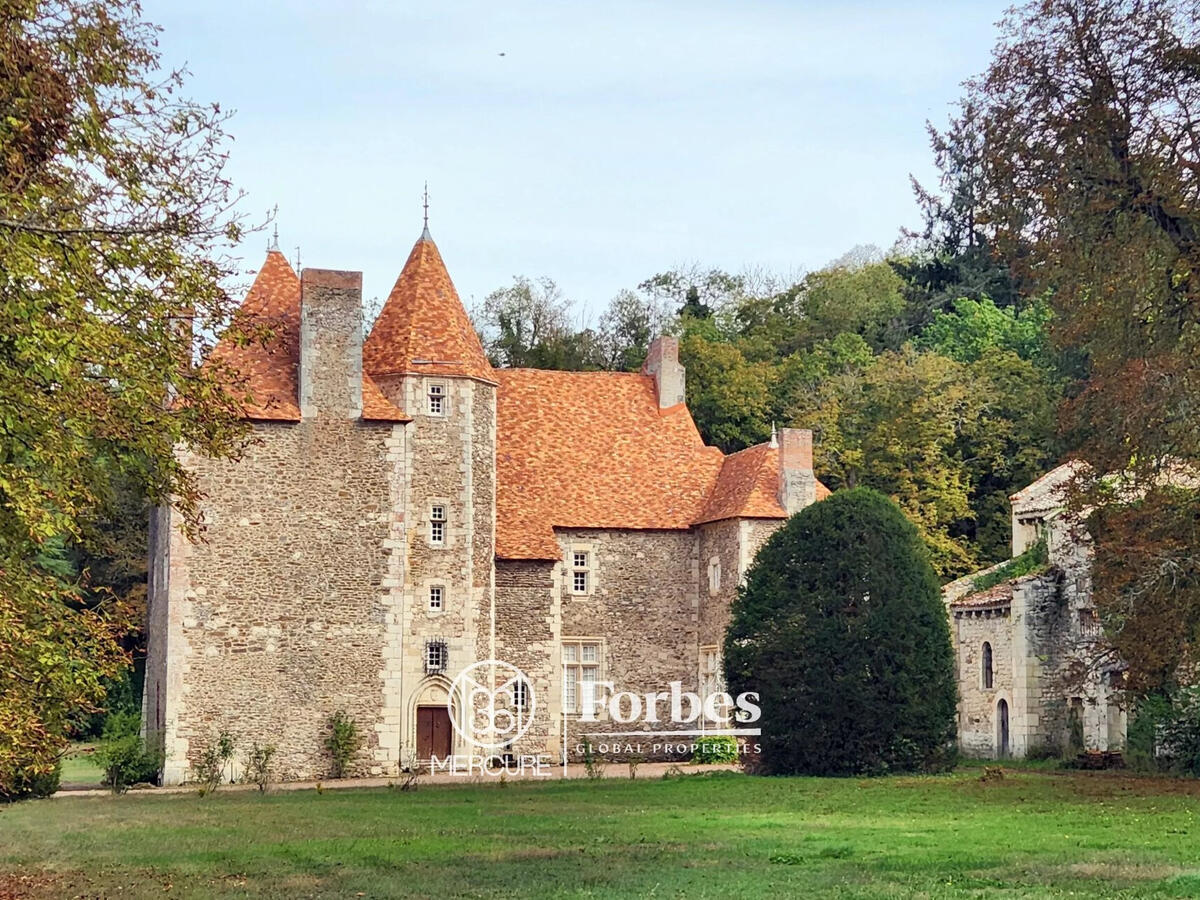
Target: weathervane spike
[(425, 204), (274, 245)]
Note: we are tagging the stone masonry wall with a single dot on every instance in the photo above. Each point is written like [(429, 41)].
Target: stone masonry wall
[(644, 607), (527, 634), (282, 621), (719, 542), (977, 704)]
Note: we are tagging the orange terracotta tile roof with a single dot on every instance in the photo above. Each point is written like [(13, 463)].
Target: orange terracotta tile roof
[(995, 596), (271, 372), (423, 327), (748, 487), (592, 450)]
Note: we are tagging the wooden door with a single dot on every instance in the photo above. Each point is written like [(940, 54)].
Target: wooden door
[(433, 732)]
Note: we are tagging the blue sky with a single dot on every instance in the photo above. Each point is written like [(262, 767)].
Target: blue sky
[(611, 140)]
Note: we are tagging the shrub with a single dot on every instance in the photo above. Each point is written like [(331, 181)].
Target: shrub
[(210, 772), (342, 743), (717, 748), (28, 785), (123, 756), (258, 765), (592, 764), (840, 629)]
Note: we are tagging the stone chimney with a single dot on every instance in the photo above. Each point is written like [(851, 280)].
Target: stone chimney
[(330, 343), (797, 481), (663, 363)]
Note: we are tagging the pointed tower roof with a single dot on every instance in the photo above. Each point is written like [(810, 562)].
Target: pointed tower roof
[(423, 327), (269, 373)]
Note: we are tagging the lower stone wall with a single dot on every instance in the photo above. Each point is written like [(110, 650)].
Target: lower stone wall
[(527, 632), (977, 725), (282, 615)]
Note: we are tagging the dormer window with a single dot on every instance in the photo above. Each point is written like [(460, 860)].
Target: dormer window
[(436, 397), (437, 525)]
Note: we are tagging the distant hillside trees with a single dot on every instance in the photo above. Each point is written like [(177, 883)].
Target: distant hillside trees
[(840, 629)]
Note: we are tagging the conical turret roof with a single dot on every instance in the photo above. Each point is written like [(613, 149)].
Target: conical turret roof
[(423, 327)]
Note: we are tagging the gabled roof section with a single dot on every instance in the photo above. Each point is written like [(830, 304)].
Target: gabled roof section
[(748, 487), (423, 327), (592, 450), (271, 371)]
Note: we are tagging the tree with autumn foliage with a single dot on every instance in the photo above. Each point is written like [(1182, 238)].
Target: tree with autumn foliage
[(115, 217), (1084, 178)]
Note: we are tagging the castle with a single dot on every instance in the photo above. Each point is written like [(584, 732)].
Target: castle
[(407, 510)]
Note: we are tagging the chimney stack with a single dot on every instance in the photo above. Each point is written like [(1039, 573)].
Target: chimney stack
[(662, 361), (797, 481), (330, 343)]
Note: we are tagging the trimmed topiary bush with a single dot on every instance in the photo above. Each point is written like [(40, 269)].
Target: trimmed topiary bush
[(841, 630)]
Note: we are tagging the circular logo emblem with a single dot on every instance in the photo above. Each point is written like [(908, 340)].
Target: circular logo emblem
[(496, 701)]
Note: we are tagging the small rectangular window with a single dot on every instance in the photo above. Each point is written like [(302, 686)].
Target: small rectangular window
[(437, 399), (437, 525), (436, 657), (580, 571), (435, 597)]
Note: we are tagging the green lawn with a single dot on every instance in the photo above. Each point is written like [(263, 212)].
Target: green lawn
[(1032, 834), (78, 768)]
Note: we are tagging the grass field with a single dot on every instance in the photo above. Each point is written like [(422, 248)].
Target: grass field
[(1031, 834)]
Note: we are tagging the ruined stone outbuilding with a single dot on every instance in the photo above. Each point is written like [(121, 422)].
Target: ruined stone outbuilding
[(1034, 673)]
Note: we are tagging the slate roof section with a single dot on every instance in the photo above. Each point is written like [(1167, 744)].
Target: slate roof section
[(592, 450), (272, 371), (423, 327)]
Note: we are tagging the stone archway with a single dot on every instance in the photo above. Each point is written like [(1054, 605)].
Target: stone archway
[(427, 726)]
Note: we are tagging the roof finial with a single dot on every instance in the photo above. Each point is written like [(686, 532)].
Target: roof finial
[(774, 437), (274, 245), (297, 256), (425, 233)]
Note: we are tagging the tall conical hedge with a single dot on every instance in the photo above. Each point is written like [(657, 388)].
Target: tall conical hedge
[(841, 629)]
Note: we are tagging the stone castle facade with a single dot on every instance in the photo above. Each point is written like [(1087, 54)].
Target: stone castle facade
[(1034, 672), (407, 510)]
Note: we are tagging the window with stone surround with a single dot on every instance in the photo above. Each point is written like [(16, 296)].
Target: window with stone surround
[(520, 693), (436, 597), (437, 525), (986, 659), (711, 679), (437, 656), (435, 393), (580, 576), (582, 665), (714, 575)]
